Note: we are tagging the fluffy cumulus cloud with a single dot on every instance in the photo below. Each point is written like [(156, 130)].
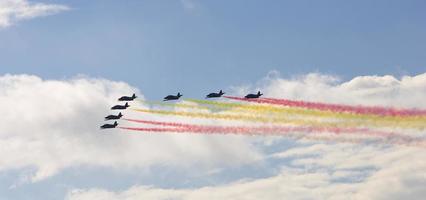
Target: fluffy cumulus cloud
[(312, 170), (52, 125), (12, 11)]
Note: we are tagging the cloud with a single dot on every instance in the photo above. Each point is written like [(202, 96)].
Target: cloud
[(12, 11), (361, 90), (311, 170), (338, 176), (52, 125)]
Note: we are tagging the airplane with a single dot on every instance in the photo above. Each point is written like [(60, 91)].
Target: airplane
[(120, 107), (172, 97), (214, 95), (126, 98), (253, 96), (105, 126), (109, 117)]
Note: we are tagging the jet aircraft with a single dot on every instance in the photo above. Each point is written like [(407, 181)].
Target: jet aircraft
[(120, 107), (253, 96), (109, 117), (172, 97), (127, 98), (215, 95), (105, 126)]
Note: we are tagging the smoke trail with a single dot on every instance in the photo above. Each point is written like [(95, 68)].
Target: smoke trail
[(290, 132), (382, 111), (177, 105), (417, 122), (252, 118), (256, 116), (274, 130), (290, 135), (253, 129)]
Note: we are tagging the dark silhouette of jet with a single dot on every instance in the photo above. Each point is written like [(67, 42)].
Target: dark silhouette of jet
[(215, 95), (253, 96), (172, 97), (105, 126), (120, 107), (126, 98), (109, 117)]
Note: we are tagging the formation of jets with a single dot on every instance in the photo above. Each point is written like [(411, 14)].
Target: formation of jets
[(118, 107), (167, 98)]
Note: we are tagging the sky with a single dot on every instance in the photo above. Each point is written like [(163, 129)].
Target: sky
[(216, 43), (64, 63)]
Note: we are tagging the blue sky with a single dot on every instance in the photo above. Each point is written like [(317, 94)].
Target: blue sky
[(195, 47), (164, 46)]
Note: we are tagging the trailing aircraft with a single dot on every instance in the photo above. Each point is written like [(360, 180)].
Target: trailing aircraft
[(253, 96), (127, 98), (105, 126), (109, 117), (215, 95), (120, 107), (172, 97)]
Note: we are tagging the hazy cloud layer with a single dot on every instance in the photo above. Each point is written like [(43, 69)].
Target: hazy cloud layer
[(12, 11)]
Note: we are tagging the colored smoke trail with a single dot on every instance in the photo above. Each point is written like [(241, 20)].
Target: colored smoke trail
[(314, 133), (285, 119), (274, 130), (252, 130), (382, 111), (324, 138), (177, 105), (416, 122), (295, 136), (251, 118)]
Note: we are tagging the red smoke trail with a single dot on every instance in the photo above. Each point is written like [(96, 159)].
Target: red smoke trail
[(156, 129), (251, 130), (384, 111), (270, 130), (186, 128)]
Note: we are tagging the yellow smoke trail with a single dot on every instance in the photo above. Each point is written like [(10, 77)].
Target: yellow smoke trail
[(258, 118), (253, 118), (178, 105), (282, 113), (415, 122)]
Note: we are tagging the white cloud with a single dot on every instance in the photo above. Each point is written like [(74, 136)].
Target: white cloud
[(12, 11), (320, 171), (364, 90), (399, 173), (51, 125)]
